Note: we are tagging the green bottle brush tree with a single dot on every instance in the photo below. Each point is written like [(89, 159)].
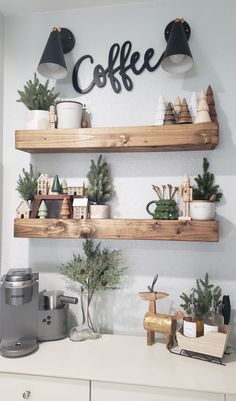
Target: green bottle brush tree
[(206, 189), (37, 96), (27, 184), (100, 187)]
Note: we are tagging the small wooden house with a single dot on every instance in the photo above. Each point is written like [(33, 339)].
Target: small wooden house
[(23, 210), (42, 185), (75, 188), (80, 208)]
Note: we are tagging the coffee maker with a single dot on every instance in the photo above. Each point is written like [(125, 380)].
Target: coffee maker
[(18, 312), (53, 315)]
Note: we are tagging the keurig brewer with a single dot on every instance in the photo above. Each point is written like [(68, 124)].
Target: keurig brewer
[(53, 315), (18, 312)]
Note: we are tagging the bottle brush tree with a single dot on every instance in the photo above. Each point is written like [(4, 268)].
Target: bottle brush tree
[(206, 188), (37, 96), (27, 184), (100, 187)]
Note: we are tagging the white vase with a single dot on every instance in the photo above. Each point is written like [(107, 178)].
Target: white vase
[(99, 211), (69, 114), (37, 119), (202, 210)]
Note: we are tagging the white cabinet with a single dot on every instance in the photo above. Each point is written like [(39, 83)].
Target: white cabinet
[(230, 398), (123, 392), (36, 388)]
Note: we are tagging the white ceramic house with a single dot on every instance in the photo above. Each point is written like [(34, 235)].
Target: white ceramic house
[(42, 185), (80, 208), (75, 188), (23, 210)]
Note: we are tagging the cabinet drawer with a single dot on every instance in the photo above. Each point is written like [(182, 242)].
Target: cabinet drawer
[(122, 392), (35, 388)]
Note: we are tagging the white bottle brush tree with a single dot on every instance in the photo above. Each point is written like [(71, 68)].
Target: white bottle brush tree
[(100, 187)]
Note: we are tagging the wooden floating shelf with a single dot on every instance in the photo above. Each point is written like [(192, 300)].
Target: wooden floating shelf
[(204, 136), (127, 229)]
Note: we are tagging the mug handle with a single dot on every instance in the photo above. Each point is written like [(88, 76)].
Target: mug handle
[(147, 207)]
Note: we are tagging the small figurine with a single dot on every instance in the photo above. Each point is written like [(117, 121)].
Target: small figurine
[(23, 210), (184, 116), (186, 194), (156, 322), (211, 104), (52, 116), (160, 112), (203, 115), (169, 118), (42, 211)]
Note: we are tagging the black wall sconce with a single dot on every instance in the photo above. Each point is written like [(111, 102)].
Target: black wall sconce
[(52, 63), (177, 57)]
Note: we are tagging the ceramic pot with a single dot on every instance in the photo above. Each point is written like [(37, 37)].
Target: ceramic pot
[(37, 119), (99, 211), (69, 114), (202, 210)]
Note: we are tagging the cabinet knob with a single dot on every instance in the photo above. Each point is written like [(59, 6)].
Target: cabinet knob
[(26, 395)]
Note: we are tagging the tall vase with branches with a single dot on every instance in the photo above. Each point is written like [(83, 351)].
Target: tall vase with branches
[(99, 269)]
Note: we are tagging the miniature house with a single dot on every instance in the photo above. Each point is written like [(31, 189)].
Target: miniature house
[(80, 208), (23, 210), (75, 188), (42, 185)]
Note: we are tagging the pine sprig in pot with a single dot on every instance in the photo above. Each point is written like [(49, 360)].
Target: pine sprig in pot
[(99, 269), (37, 96), (206, 189), (204, 293), (100, 187), (27, 184)]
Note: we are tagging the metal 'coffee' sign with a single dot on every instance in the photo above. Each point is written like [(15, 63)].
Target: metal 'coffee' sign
[(121, 61)]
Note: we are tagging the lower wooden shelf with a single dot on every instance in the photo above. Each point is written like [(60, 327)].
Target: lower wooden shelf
[(127, 229)]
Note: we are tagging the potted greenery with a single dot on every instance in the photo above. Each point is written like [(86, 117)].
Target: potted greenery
[(205, 194), (27, 184), (99, 269), (37, 98), (100, 188)]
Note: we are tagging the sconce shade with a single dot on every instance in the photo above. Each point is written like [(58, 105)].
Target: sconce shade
[(52, 63), (177, 57)]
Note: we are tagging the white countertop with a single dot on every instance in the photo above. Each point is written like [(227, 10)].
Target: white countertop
[(124, 359)]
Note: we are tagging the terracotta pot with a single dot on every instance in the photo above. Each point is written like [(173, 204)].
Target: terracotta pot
[(99, 211), (37, 119), (202, 210)]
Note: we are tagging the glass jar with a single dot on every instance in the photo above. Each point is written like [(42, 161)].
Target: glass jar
[(88, 329)]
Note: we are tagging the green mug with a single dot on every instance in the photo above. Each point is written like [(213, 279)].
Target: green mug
[(165, 209)]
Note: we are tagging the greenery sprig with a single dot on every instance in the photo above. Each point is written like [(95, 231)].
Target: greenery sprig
[(27, 184), (100, 188), (206, 189), (37, 96), (204, 293), (100, 268)]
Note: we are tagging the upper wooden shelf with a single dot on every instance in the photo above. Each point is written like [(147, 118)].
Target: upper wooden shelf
[(127, 229), (120, 139)]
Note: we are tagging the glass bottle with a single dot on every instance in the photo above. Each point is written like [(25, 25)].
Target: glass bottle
[(213, 321), (193, 324), (88, 329)]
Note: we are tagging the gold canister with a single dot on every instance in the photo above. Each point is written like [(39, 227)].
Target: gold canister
[(159, 323)]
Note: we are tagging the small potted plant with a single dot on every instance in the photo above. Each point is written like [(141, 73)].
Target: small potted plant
[(100, 189), (97, 270), (37, 98), (205, 194)]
